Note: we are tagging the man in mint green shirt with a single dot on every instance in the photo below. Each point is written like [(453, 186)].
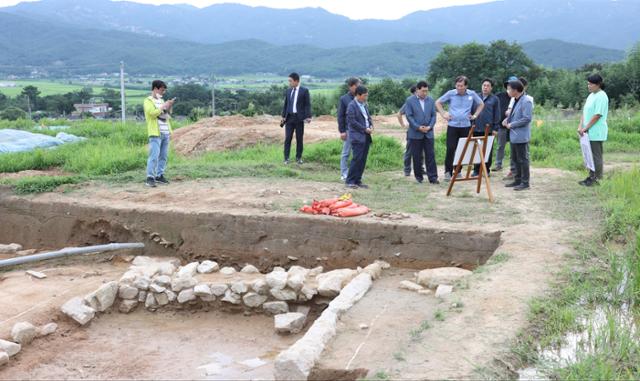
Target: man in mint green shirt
[(594, 123)]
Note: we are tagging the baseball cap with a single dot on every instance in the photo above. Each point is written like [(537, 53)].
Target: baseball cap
[(512, 78)]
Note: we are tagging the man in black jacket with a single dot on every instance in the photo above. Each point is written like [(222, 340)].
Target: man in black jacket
[(503, 133), (295, 113), (491, 115)]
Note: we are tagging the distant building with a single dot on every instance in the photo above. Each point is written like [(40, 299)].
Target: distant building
[(98, 110)]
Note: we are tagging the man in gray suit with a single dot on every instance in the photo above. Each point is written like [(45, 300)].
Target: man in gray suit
[(519, 125), (421, 114)]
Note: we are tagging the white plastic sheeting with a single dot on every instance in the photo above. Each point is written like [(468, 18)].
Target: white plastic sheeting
[(24, 141)]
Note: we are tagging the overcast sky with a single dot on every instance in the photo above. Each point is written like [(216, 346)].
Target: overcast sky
[(355, 9)]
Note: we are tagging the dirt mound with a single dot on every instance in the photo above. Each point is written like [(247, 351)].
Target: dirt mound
[(237, 132)]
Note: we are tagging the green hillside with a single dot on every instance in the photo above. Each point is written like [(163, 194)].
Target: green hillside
[(60, 50)]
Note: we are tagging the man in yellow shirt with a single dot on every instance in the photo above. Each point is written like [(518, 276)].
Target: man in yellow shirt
[(156, 113)]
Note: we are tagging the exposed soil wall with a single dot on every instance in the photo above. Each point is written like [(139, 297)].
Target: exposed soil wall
[(264, 241)]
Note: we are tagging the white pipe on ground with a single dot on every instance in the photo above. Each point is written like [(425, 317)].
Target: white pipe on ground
[(68, 252)]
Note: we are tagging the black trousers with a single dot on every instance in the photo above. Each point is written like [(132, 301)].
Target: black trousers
[(596, 151), (520, 155), (453, 134), (360, 152), (512, 163), (476, 168), (290, 128), (422, 149)]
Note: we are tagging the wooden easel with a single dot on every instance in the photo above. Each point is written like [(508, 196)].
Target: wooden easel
[(475, 140)]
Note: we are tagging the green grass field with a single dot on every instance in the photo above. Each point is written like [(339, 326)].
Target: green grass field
[(324, 92), (134, 96)]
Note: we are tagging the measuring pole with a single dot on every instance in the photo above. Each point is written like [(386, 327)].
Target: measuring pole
[(122, 101)]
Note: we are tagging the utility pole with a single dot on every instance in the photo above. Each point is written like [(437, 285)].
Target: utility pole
[(213, 96), (122, 101), (29, 106)]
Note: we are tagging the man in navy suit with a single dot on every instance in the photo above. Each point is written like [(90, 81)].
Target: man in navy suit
[(343, 104), (421, 114), (359, 130), (295, 113)]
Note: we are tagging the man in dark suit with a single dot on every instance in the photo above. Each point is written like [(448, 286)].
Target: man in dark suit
[(503, 132), (407, 152), (352, 84), (491, 115), (421, 114), (295, 113), (359, 130)]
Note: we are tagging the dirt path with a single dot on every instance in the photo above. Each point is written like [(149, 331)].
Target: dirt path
[(489, 309), (33, 173)]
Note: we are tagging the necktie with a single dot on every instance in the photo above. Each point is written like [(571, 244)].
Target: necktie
[(294, 108)]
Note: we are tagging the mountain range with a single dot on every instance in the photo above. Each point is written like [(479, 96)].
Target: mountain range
[(604, 23), (65, 37)]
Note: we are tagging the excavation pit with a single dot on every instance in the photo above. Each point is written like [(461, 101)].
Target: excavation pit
[(198, 341), (203, 345)]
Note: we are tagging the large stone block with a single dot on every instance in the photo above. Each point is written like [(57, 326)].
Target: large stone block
[(253, 300), (331, 283), (432, 278), (188, 271), (11, 348), (23, 332), (277, 280), (180, 283), (208, 267), (126, 291), (76, 309), (291, 322), (276, 308), (103, 298)]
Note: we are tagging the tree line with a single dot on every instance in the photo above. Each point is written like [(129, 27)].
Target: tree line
[(498, 60), (57, 105)]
